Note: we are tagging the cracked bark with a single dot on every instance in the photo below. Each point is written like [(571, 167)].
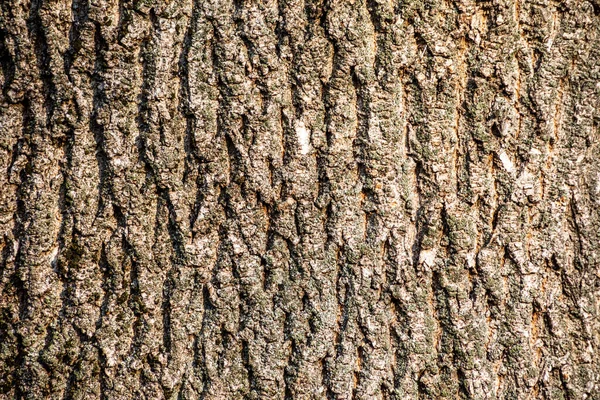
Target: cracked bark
[(299, 199)]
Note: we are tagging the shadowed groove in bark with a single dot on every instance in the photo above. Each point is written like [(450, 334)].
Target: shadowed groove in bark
[(80, 11), (36, 29)]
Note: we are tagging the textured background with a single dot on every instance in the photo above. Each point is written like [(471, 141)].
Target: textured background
[(299, 199)]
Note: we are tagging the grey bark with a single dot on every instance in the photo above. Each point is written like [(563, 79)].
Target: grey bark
[(299, 199)]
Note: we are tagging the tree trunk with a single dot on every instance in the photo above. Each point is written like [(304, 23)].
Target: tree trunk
[(299, 199)]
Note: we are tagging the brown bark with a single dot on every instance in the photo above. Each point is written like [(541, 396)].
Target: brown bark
[(298, 199)]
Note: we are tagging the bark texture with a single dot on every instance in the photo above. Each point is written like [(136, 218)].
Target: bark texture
[(299, 199)]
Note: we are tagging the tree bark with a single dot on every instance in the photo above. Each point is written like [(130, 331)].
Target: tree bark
[(299, 199)]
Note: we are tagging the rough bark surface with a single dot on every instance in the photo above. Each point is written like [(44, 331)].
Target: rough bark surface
[(299, 199)]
